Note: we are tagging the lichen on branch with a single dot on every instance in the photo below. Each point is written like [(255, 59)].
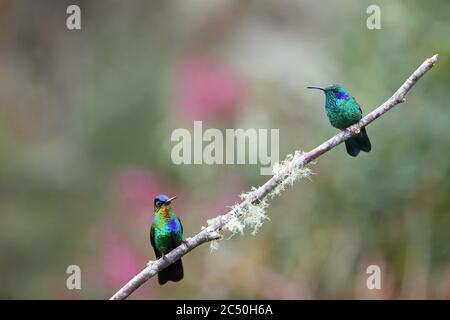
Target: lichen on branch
[(254, 214)]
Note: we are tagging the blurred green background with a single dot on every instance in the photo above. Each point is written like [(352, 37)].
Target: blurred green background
[(85, 124)]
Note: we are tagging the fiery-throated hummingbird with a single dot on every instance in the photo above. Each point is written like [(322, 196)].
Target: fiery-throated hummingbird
[(342, 111), (166, 233)]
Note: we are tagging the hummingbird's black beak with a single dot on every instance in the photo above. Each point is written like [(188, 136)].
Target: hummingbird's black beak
[(170, 200), (319, 88)]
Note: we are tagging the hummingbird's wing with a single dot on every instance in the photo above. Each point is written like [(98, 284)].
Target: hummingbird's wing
[(152, 241), (181, 225), (359, 107), (352, 101)]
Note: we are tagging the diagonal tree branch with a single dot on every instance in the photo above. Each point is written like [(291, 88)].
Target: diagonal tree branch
[(300, 160)]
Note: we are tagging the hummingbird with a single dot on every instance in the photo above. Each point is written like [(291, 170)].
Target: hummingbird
[(342, 111), (166, 233)]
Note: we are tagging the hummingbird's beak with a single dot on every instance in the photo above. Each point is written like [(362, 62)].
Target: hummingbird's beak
[(170, 200), (319, 88)]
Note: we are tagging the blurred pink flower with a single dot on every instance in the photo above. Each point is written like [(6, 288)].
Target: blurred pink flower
[(206, 89), (120, 262), (135, 189)]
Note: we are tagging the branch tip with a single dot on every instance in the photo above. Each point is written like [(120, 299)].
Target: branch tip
[(431, 61)]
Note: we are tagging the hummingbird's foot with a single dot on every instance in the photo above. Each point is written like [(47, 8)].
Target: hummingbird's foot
[(150, 262), (220, 234), (165, 257), (185, 242)]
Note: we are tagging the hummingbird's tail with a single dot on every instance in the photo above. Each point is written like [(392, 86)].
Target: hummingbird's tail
[(174, 272), (357, 143)]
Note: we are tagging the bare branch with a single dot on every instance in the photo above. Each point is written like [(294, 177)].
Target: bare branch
[(299, 160)]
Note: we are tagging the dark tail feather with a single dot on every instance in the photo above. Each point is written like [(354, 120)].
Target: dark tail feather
[(363, 141), (351, 144), (174, 272), (357, 143)]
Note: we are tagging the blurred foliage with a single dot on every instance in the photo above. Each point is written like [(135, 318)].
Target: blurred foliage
[(85, 124)]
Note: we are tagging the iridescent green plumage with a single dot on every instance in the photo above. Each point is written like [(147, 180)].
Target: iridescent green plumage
[(343, 111), (166, 233)]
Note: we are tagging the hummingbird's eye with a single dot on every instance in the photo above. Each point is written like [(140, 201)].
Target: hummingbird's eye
[(158, 204)]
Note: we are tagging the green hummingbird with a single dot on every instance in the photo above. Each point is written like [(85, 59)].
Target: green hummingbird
[(166, 233), (343, 111)]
